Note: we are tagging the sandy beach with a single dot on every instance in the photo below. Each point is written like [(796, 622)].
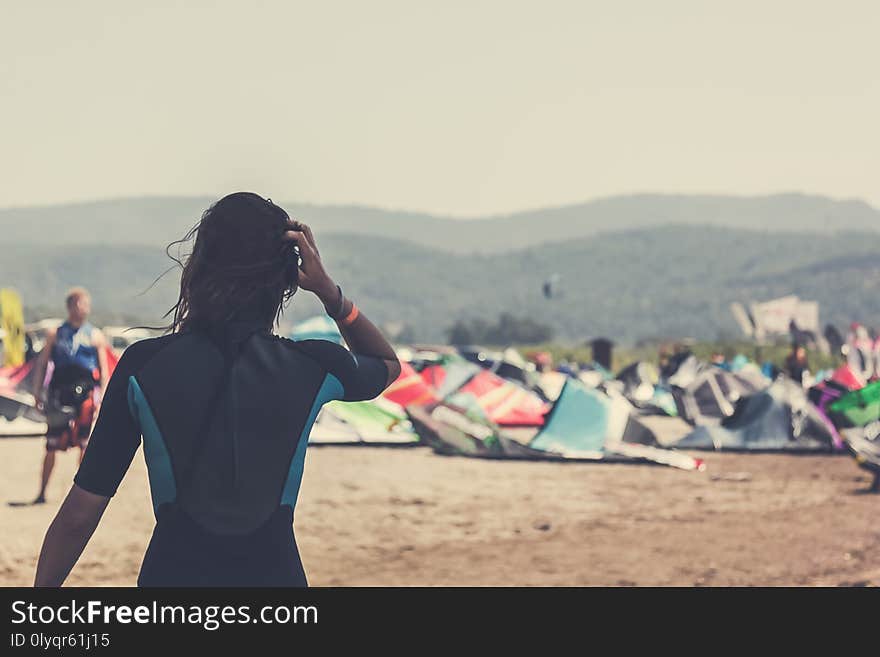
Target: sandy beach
[(380, 516)]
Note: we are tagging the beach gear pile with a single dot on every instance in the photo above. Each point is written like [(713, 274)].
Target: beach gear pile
[(857, 416), (458, 403), (481, 403)]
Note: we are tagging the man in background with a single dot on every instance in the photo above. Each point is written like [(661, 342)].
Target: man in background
[(77, 352)]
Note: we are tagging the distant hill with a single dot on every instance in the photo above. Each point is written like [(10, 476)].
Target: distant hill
[(157, 221), (662, 281)]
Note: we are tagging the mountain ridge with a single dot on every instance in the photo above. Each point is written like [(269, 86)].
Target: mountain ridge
[(152, 220), (670, 280)]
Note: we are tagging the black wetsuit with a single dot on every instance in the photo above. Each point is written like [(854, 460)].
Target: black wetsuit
[(225, 419)]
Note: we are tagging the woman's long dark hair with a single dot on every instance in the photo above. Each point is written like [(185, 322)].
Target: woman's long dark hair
[(238, 268)]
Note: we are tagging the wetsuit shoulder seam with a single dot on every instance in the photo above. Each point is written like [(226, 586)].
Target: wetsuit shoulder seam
[(291, 344), (167, 341)]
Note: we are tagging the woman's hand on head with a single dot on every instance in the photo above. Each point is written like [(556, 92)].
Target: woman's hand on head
[(312, 276)]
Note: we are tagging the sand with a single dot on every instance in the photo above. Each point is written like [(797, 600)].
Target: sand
[(380, 516)]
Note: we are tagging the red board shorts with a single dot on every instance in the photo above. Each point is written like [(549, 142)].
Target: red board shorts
[(69, 425)]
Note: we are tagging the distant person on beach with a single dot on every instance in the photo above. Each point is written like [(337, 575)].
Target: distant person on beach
[(224, 408), (860, 351), (718, 359), (796, 364), (79, 377)]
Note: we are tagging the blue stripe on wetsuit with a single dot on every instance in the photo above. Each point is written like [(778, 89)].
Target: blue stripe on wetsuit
[(163, 487), (331, 389)]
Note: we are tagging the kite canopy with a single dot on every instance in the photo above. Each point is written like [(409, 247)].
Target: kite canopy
[(319, 327), (864, 444), (409, 388), (376, 422), (18, 417), (445, 379), (551, 384), (845, 376), (502, 402), (18, 414), (638, 380), (681, 370), (594, 375), (584, 421), (826, 392), (381, 421), (640, 385), (17, 378), (584, 424), (508, 364), (483, 394), (711, 396), (859, 407), (779, 418)]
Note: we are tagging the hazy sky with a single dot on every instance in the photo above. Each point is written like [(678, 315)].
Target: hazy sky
[(468, 107)]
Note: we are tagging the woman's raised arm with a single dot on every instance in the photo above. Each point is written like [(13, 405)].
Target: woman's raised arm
[(360, 334)]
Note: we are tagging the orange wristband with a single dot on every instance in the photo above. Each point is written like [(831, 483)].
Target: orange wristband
[(352, 315)]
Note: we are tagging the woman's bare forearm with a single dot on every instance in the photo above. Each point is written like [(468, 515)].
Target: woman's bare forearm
[(68, 536), (361, 335)]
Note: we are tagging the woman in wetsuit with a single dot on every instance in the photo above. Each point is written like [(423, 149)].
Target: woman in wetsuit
[(224, 408)]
